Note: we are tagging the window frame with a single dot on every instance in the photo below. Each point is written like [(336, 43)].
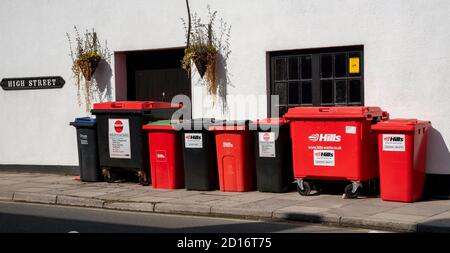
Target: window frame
[(315, 54)]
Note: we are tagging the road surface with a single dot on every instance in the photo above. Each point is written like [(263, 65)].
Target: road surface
[(36, 218)]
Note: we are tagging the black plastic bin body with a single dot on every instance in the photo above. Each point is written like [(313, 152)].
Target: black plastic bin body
[(273, 155), (87, 149), (134, 114), (199, 154)]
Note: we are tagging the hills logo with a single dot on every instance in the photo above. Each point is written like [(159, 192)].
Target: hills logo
[(324, 154), (394, 138), (324, 137), (193, 137)]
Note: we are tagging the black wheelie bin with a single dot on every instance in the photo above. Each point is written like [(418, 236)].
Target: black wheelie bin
[(199, 154), (273, 155), (87, 149), (122, 143)]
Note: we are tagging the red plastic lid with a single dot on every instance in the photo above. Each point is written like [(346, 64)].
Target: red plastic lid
[(333, 112), (272, 121), (133, 105), (401, 124)]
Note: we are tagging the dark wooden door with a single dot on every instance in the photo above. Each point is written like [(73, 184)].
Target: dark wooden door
[(161, 84), (156, 75)]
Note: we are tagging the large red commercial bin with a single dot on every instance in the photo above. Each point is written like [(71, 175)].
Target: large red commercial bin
[(121, 141), (402, 147), (166, 157), (234, 146), (334, 143)]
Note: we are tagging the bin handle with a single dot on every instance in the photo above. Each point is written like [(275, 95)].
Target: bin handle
[(369, 116), (327, 109), (117, 104), (385, 115)]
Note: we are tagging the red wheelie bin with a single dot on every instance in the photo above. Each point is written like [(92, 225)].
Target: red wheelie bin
[(166, 156), (234, 146), (336, 144), (402, 147)]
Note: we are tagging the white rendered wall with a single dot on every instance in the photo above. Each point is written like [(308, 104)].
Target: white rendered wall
[(406, 59)]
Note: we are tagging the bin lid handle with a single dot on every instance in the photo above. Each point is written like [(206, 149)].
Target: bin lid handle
[(117, 104)]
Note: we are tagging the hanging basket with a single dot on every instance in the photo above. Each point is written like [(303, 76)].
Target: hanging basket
[(88, 67), (201, 63)]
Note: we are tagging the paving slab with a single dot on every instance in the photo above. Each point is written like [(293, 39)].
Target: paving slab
[(123, 195), (360, 210), (420, 209), (305, 213), (6, 195), (405, 218), (9, 182), (271, 204), (198, 198), (34, 189), (146, 198), (77, 201), (35, 197), (180, 193), (241, 212), (182, 209), (331, 202), (83, 193), (130, 206), (436, 224), (379, 223), (296, 196), (380, 202)]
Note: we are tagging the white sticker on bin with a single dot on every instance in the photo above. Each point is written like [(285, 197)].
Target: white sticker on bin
[(193, 140), (350, 129), (119, 138), (393, 142), (266, 144), (323, 157)]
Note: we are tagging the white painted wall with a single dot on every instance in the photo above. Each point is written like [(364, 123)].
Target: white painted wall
[(406, 59)]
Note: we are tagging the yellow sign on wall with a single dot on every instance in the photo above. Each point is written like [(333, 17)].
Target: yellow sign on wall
[(353, 65)]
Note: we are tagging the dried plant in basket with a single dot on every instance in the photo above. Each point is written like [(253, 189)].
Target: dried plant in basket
[(202, 48), (86, 57)]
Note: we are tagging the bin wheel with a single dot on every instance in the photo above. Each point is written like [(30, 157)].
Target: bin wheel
[(306, 189), (107, 176), (349, 191), (144, 180)]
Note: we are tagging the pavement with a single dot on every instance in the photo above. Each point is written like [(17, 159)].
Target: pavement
[(332, 209)]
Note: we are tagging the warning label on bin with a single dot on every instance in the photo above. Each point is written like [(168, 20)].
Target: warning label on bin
[(323, 157), (267, 144), (193, 140), (393, 142), (119, 138)]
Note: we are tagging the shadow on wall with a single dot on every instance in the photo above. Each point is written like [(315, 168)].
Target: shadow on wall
[(438, 155), (437, 184), (223, 80), (102, 77)]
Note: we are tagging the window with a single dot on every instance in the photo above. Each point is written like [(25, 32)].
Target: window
[(317, 77)]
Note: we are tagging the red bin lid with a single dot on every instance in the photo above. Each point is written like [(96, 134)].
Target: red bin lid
[(272, 121), (401, 124), (230, 125), (337, 112), (133, 105)]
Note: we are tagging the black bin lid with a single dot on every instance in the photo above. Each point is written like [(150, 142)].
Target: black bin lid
[(84, 121), (198, 124)]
